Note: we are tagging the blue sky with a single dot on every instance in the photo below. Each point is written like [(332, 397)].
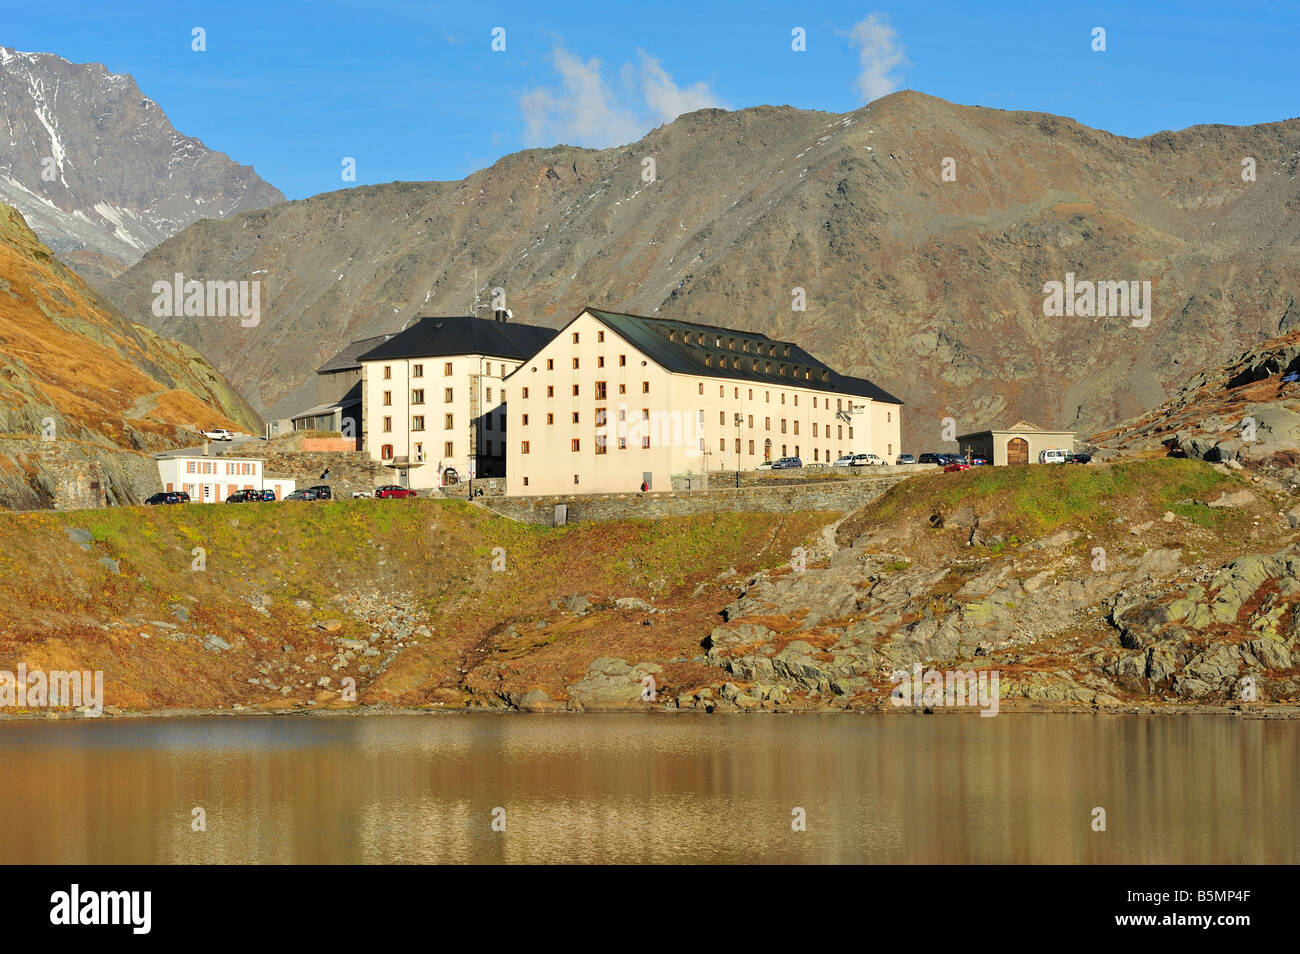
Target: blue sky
[(414, 91)]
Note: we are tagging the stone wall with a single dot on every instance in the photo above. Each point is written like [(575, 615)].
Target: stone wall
[(839, 495), (351, 471), (68, 474)]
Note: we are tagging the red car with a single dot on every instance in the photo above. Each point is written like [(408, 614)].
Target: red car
[(392, 490), (955, 467)]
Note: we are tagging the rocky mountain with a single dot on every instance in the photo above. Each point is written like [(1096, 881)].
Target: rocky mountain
[(97, 169), (75, 375), (1245, 411), (922, 234)]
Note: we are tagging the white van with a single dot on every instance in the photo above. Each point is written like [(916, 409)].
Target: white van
[(1052, 456)]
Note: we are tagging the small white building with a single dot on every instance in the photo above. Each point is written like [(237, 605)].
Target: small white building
[(213, 479)]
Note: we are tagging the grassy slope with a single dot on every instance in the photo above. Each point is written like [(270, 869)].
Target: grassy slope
[(432, 555), (496, 633)]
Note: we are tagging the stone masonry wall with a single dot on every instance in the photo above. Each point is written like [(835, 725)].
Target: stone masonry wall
[(842, 495)]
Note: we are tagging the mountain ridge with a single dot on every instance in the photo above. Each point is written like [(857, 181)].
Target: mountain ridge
[(97, 168), (932, 289)]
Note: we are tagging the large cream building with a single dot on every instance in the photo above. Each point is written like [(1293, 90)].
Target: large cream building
[(433, 396), (616, 400)]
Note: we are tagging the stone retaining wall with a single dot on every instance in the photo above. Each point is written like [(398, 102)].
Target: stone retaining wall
[(840, 495), (69, 474)]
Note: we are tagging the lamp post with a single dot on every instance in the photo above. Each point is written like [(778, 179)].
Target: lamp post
[(739, 420)]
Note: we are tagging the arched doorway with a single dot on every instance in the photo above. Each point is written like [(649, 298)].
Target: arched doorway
[(1017, 451), (767, 449)]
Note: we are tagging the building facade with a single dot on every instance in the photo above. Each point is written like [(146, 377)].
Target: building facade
[(213, 479), (616, 401), (338, 394), (433, 396), (1021, 443)]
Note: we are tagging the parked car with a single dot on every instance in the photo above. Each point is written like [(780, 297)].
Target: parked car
[(218, 434), (845, 461), (979, 461), (266, 495), (786, 463), (956, 466), (359, 494), (765, 465), (393, 491), (869, 460), (1078, 458), (323, 492), (169, 497), (931, 458), (1052, 455), (304, 494), (905, 459), (245, 496)]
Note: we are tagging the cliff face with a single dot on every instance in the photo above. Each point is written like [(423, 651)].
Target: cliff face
[(97, 168), (72, 369), (921, 233)]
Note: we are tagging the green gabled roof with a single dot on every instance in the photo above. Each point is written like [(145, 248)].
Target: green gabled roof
[(650, 336)]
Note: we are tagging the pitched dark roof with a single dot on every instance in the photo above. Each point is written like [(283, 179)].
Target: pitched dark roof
[(686, 347), (443, 337), (348, 358)]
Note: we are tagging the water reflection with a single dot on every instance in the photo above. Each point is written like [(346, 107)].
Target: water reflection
[(642, 788)]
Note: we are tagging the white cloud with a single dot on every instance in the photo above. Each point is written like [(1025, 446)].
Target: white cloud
[(665, 98), (585, 110), (880, 54)]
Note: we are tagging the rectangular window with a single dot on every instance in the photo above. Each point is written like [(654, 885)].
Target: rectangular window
[(722, 444), (446, 369), (417, 396), (645, 442), (388, 399), (417, 423), (575, 337), (622, 360), (449, 449), (850, 432), (447, 422), (796, 427), (575, 445), (550, 390), (600, 390), (417, 370), (523, 447), (645, 387), (525, 394), (525, 481), (622, 443), (575, 390), (814, 428), (575, 364), (501, 422), (600, 417), (782, 425), (751, 421), (388, 371), (751, 448), (839, 432), (550, 418), (489, 368), (575, 417), (600, 360), (622, 389), (767, 423), (388, 424), (600, 336), (600, 443), (525, 420), (447, 395), (722, 417), (489, 395)]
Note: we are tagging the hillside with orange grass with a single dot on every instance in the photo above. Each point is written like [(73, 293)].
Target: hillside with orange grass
[(73, 369)]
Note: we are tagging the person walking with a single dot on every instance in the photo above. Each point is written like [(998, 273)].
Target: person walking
[(644, 486), (326, 475)]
